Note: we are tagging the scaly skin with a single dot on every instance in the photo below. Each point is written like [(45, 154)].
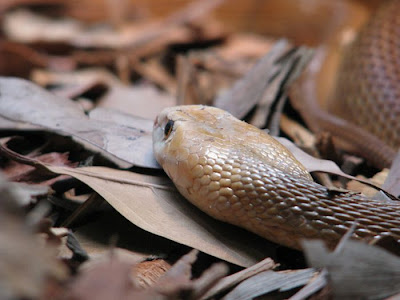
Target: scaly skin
[(364, 112), (238, 174), (368, 89)]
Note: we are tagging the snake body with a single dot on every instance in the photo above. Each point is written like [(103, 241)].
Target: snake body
[(368, 88), (239, 174)]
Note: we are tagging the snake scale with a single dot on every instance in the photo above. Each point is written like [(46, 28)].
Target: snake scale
[(239, 174), (367, 93)]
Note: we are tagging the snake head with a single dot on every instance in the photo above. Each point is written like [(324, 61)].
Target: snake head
[(168, 144), (197, 145), (184, 134), (180, 136)]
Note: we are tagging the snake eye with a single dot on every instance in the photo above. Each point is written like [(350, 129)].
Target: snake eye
[(168, 128)]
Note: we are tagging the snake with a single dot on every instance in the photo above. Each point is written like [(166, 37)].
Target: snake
[(368, 87), (363, 112), (239, 174)]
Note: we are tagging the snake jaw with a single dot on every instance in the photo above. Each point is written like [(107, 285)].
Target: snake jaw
[(167, 149)]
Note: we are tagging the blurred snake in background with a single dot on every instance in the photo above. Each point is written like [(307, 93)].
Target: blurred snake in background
[(239, 174), (364, 110)]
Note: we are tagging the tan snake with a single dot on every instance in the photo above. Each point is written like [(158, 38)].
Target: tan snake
[(364, 110), (238, 174)]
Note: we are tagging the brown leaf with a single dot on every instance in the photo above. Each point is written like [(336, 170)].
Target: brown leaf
[(242, 46), (19, 60), (24, 26), (28, 193), (80, 77), (314, 164), (110, 228), (99, 258), (176, 282), (148, 272), (17, 171), (266, 82), (392, 182), (153, 204), (270, 107), (202, 75), (268, 281), (26, 267), (358, 270), (246, 93), (123, 119), (312, 287), (154, 71), (232, 280), (130, 40), (377, 179), (108, 280), (22, 168), (10, 4), (73, 84), (121, 144), (140, 100), (113, 279)]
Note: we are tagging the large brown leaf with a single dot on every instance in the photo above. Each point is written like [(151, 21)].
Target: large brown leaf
[(153, 204), (26, 105), (142, 100), (357, 270)]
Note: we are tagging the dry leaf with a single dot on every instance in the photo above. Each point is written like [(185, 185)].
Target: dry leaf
[(377, 179), (17, 170), (108, 280), (148, 272), (123, 119), (26, 267), (112, 279), (140, 100), (176, 282), (27, 193), (101, 258), (73, 84), (232, 280), (242, 46), (96, 237), (27, 104), (270, 107), (314, 285), (313, 164), (24, 26), (266, 82), (19, 60), (154, 71), (358, 270), (269, 281), (153, 204), (246, 93), (392, 182), (79, 77)]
